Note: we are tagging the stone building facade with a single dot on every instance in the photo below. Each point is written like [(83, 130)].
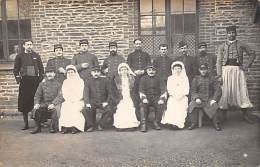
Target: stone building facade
[(102, 21)]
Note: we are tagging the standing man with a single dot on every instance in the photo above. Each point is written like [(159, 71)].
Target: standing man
[(163, 63), (84, 60), (138, 61), (111, 63), (204, 57), (28, 72), (58, 63), (189, 62), (231, 67)]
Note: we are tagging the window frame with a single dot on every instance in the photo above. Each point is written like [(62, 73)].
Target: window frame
[(4, 24)]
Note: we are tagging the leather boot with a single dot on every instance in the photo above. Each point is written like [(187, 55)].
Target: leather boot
[(157, 120), (143, 127), (25, 119), (37, 129), (192, 126), (217, 127), (52, 127)]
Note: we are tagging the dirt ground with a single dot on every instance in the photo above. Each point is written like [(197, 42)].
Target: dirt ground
[(238, 145)]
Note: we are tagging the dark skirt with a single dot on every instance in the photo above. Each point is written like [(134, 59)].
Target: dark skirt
[(27, 89)]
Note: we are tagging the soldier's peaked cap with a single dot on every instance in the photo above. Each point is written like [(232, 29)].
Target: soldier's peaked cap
[(56, 46), (83, 41)]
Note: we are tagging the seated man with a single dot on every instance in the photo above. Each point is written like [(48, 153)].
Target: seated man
[(96, 95), (205, 94), (152, 93), (44, 108)]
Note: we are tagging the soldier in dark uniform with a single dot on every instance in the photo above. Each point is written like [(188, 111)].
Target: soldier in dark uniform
[(111, 63), (44, 106), (152, 94), (163, 63), (96, 97), (189, 62), (205, 94), (204, 57), (84, 60), (28, 72), (58, 63), (138, 61)]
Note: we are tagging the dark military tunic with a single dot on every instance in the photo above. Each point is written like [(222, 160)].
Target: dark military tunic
[(112, 62), (46, 92), (56, 63), (152, 87), (84, 57), (210, 60), (205, 88), (190, 64), (138, 60), (28, 71), (163, 67), (96, 91)]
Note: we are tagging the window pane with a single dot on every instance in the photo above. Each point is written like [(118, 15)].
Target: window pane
[(159, 6), (145, 7), (146, 25), (12, 26), (177, 23), (24, 8), (189, 23), (11, 9), (176, 6), (160, 24), (13, 47), (25, 29), (1, 50), (189, 6)]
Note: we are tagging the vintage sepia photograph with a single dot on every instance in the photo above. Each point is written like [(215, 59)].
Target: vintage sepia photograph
[(129, 83)]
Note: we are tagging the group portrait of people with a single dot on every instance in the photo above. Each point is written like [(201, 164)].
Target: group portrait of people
[(181, 91)]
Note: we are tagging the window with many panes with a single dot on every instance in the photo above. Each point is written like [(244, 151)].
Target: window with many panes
[(167, 21), (15, 26)]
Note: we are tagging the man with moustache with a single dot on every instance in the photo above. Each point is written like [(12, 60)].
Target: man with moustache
[(59, 63), (111, 63), (204, 57), (44, 106), (231, 67), (84, 60), (138, 61), (28, 72)]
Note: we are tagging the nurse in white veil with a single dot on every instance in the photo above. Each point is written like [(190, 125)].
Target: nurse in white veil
[(178, 90)]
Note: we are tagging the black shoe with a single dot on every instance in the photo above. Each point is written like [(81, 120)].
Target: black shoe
[(99, 128), (52, 131), (248, 119), (25, 128), (91, 129), (143, 127), (174, 127), (217, 127), (37, 130), (74, 130), (64, 130), (192, 126), (156, 126)]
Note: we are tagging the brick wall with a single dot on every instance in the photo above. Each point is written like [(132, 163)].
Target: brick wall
[(215, 15), (101, 21)]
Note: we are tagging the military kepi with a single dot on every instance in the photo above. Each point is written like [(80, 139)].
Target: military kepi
[(95, 68), (181, 44), (202, 44), (231, 28), (56, 46), (112, 44), (83, 41), (150, 65)]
